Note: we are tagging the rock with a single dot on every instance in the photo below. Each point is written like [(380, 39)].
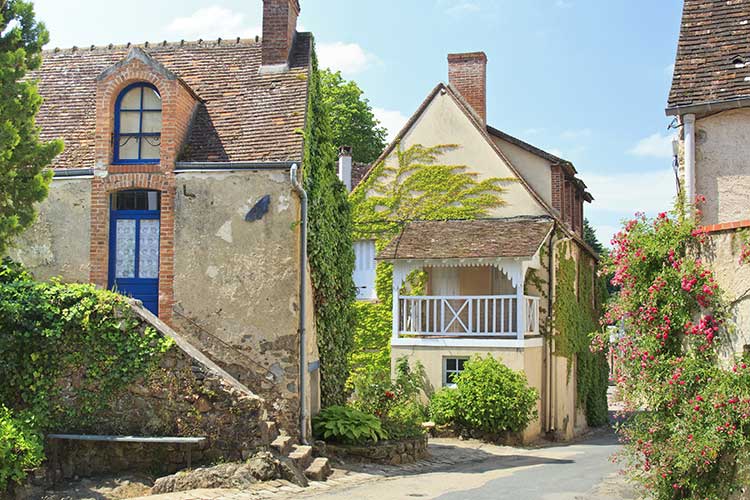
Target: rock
[(291, 473), (260, 467), (319, 469)]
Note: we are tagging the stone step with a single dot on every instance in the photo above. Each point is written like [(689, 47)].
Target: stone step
[(302, 456), (269, 431), (319, 470), (282, 444)]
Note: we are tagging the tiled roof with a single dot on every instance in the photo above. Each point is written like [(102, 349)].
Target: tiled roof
[(484, 238), (359, 171), (713, 35), (243, 116)]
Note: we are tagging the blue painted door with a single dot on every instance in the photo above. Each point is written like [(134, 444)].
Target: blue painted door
[(134, 255)]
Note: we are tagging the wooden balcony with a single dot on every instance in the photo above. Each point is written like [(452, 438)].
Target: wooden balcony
[(480, 316)]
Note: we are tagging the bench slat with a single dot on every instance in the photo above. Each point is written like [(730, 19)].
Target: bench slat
[(128, 439)]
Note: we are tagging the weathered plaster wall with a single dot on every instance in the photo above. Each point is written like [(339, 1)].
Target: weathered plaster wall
[(534, 169), (722, 253), (237, 282), (443, 122), (57, 244), (721, 170)]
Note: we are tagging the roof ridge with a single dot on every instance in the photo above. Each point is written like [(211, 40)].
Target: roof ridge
[(149, 45)]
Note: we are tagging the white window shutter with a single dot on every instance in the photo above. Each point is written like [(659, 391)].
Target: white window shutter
[(364, 269)]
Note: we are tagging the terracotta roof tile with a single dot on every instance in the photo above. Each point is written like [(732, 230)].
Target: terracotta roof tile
[(712, 34), (244, 116), (359, 171), (484, 238)]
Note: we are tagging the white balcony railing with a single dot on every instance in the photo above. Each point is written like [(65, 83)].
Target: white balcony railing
[(460, 316)]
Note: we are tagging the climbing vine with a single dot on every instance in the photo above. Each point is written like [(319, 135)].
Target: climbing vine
[(411, 184), (330, 252), (575, 319)]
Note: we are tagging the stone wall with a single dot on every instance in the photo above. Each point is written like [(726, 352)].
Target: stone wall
[(405, 451), (185, 395)]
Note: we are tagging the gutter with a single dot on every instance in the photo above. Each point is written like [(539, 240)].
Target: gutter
[(72, 172), (233, 165), (303, 416), (710, 107)]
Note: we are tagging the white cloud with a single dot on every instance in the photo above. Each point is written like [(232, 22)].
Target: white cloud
[(457, 7), (349, 58), (630, 192), (392, 120), (655, 146), (563, 4), (576, 133), (533, 131), (213, 22)]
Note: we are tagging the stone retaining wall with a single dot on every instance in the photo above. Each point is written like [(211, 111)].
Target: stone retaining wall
[(385, 452), (185, 395)]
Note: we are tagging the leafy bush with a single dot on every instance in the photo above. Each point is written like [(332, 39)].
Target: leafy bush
[(347, 425), (691, 437), (490, 398), (20, 448), (444, 406), (397, 403)]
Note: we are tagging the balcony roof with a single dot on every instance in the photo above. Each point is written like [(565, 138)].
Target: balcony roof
[(468, 239)]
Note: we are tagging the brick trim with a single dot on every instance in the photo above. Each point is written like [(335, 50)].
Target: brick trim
[(101, 188), (726, 226)]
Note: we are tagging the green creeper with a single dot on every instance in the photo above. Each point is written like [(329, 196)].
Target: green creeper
[(23, 158), (352, 121)]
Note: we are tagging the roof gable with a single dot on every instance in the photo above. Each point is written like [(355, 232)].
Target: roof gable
[(243, 116)]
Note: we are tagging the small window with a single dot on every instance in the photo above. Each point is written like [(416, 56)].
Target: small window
[(451, 368), (135, 200), (138, 124)]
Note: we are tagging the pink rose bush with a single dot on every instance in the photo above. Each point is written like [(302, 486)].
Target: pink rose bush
[(689, 433)]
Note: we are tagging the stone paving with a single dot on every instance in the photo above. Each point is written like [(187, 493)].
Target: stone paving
[(445, 453)]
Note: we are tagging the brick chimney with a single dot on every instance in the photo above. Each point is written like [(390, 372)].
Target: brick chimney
[(279, 29), (467, 73)]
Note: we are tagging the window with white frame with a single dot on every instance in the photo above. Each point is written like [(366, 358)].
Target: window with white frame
[(364, 269), (451, 368)]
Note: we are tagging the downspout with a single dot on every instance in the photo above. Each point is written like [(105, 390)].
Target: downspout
[(689, 133), (303, 416), (549, 424)]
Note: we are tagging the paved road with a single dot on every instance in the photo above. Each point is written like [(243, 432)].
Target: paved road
[(577, 471)]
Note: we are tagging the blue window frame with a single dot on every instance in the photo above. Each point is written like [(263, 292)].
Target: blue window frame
[(137, 125)]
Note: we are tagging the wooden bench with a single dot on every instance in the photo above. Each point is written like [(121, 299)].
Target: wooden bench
[(133, 439)]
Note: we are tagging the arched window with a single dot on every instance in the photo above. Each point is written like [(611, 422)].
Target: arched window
[(138, 124)]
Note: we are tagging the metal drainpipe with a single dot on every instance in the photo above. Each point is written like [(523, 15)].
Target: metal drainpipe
[(302, 309), (548, 350), (689, 133)]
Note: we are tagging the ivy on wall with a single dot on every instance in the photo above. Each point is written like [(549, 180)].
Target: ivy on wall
[(412, 184), (575, 318), (330, 251)]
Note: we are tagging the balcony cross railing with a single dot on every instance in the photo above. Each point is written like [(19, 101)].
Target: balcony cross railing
[(467, 316)]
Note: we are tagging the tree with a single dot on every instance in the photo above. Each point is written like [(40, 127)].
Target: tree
[(23, 157), (589, 236), (352, 119)]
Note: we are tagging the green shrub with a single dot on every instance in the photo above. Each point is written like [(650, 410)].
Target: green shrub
[(491, 398), (444, 405), (397, 403), (347, 425), (20, 448)]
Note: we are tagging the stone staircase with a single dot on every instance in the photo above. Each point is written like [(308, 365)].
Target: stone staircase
[(314, 469)]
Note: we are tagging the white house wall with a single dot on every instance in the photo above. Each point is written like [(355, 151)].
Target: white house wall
[(536, 170)]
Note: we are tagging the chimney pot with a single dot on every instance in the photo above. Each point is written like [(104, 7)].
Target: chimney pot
[(467, 73), (279, 30), (345, 166)]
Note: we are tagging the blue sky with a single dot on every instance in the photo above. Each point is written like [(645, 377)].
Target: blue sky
[(584, 79)]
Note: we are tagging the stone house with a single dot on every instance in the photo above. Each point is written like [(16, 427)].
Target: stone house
[(175, 187), (480, 295), (710, 102)]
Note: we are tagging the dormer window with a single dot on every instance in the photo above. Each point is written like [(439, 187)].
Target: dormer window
[(138, 124)]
